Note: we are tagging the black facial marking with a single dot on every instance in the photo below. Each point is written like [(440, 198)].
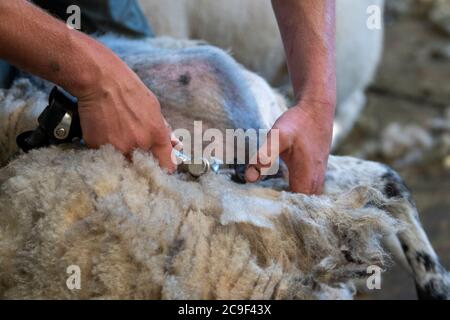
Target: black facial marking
[(184, 79), (391, 191), (430, 291), (404, 247), (425, 260), (394, 186)]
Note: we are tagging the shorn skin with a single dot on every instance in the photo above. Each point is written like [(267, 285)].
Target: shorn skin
[(249, 31), (136, 232)]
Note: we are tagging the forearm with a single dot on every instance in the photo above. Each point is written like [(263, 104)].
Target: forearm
[(34, 41), (308, 31)]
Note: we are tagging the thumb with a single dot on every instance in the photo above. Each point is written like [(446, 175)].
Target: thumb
[(163, 152), (266, 158)]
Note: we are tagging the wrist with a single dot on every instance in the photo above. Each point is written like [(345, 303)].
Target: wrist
[(320, 91), (317, 106), (90, 65)]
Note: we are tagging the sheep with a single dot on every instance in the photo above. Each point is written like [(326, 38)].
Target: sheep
[(249, 30), (135, 232)]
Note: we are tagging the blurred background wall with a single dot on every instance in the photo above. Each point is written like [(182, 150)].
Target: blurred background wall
[(406, 121)]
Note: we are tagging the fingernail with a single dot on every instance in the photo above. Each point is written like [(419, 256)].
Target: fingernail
[(251, 174)]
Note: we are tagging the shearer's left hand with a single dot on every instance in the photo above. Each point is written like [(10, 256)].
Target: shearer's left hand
[(304, 144), (308, 31)]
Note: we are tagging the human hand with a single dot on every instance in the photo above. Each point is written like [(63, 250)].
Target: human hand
[(120, 110), (304, 145), (115, 107)]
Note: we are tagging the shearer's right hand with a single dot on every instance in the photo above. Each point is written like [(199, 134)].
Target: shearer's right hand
[(120, 110)]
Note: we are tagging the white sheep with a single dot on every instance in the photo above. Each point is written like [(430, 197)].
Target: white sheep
[(136, 232)]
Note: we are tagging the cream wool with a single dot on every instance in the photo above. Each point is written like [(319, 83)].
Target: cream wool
[(19, 108), (136, 232)]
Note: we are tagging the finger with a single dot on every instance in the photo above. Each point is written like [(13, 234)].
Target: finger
[(264, 158), (163, 152), (176, 143), (252, 173), (263, 162), (167, 124)]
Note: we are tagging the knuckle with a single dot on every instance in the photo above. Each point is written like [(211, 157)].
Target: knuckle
[(143, 141)]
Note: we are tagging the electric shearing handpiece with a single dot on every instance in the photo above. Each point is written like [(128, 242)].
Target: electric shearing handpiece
[(60, 123)]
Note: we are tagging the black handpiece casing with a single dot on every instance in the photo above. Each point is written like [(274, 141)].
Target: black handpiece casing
[(61, 107)]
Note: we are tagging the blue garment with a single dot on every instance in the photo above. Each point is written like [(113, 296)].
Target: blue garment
[(7, 73), (101, 16), (97, 16)]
